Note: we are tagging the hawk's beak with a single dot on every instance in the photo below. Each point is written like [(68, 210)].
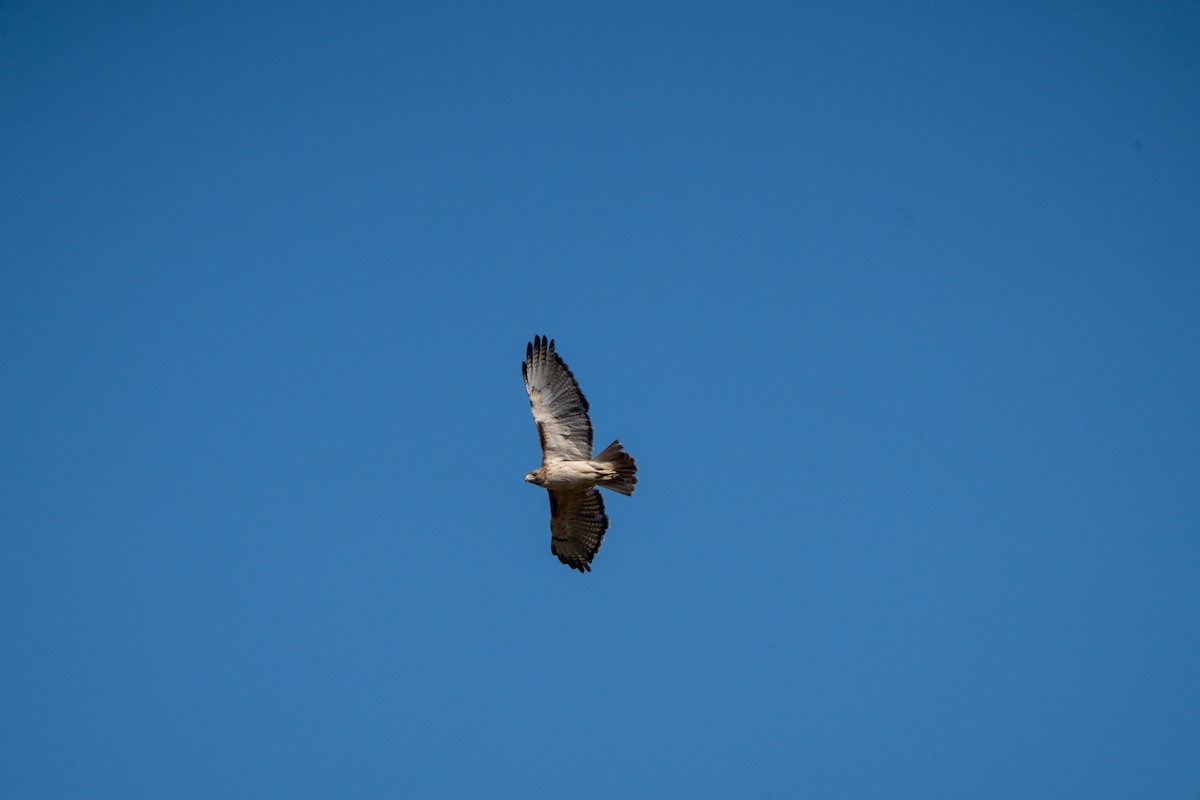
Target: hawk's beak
[(529, 479)]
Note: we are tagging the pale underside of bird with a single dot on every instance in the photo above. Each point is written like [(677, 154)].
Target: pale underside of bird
[(569, 471)]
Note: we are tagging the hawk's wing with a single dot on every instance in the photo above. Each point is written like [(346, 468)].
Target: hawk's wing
[(577, 526), (559, 408)]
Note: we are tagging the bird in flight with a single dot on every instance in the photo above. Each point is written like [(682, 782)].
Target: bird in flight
[(569, 471)]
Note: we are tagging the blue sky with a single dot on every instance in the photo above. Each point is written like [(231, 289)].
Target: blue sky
[(898, 309)]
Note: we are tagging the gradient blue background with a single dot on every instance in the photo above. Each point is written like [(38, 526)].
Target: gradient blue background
[(898, 308)]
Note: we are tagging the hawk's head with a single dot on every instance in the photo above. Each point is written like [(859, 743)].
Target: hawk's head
[(534, 477)]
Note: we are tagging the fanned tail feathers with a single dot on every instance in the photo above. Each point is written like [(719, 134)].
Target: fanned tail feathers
[(622, 466)]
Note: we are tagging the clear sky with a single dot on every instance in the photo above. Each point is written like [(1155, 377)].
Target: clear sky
[(897, 306)]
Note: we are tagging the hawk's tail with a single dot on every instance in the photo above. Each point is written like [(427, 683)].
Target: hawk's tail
[(620, 469)]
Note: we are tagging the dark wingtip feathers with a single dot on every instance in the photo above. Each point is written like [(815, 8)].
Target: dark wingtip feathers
[(537, 350)]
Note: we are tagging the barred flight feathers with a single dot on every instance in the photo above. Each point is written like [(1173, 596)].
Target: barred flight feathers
[(559, 407)]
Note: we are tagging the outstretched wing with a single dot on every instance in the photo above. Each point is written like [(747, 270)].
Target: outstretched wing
[(577, 526), (559, 408)]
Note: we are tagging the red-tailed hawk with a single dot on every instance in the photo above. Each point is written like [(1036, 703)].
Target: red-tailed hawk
[(569, 471)]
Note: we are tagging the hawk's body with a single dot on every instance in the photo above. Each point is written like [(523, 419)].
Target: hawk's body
[(569, 471)]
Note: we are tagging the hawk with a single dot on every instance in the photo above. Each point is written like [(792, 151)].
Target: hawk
[(569, 471)]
